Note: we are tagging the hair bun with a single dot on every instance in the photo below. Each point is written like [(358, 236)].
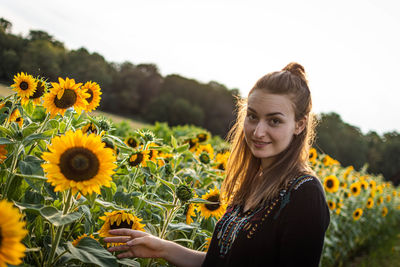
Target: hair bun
[(296, 69)]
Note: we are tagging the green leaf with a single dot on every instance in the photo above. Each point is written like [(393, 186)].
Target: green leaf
[(173, 142), (30, 129), (169, 184), (182, 148), (5, 130), (200, 200), (155, 204), (31, 208), (5, 141), (55, 217), (31, 165), (90, 251), (129, 262)]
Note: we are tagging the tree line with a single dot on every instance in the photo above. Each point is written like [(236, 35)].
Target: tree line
[(142, 93)]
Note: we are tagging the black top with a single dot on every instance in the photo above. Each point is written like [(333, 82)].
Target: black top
[(289, 231)]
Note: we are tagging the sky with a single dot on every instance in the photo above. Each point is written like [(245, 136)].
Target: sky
[(349, 48)]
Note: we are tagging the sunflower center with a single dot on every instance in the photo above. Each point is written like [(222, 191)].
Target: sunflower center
[(354, 189), (213, 207), (329, 183), (123, 224), (79, 164), (90, 98), (132, 142), (39, 91), (357, 213), (24, 85), (67, 100), (136, 159)]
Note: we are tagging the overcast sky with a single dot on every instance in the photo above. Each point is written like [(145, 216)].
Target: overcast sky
[(350, 49)]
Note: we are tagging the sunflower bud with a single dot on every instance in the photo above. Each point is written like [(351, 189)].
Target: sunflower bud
[(104, 124), (204, 158), (184, 192)]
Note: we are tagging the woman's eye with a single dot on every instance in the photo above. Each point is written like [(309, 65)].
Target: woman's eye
[(275, 122), (251, 117)]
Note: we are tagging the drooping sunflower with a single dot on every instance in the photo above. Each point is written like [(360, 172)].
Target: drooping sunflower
[(370, 203), (65, 94), (41, 89), (140, 157), (94, 91), (16, 116), (89, 128), (24, 84), (80, 162), (119, 219), (3, 153), (355, 188), (384, 211), (76, 241), (313, 155), (12, 231), (331, 204), (331, 184), (357, 214), (216, 209)]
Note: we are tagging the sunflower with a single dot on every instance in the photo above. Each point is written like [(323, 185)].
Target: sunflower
[(11, 234), (355, 188), (76, 241), (370, 203), (191, 212), (327, 160), (372, 184), (347, 172), (337, 211), (202, 137), (80, 162), (41, 88), (357, 214), (153, 153), (132, 141), (313, 155), (16, 117), (216, 209), (394, 193), (221, 159), (388, 198), (24, 84), (93, 89), (205, 148), (140, 157), (193, 142), (3, 153), (89, 128), (119, 219), (380, 200), (384, 211), (331, 204), (331, 184), (64, 95)]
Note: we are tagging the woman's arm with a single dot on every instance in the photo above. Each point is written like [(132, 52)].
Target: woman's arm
[(143, 245)]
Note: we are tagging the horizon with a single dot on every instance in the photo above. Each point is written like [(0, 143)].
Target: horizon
[(349, 56)]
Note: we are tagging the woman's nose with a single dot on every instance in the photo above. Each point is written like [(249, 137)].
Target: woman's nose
[(259, 131)]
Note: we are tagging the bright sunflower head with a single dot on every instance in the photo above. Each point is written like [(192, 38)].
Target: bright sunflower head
[(41, 88), (370, 203), (94, 91), (140, 157), (372, 184), (24, 84), (16, 117), (331, 204), (216, 209), (65, 94), (355, 188), (384, 211), (313, 155), (76, 241), (3, 153), (89, 128), (338, 210), (357, 214), (119, 219), (327, 160), (205, 148), (80, 162), (190, 212), (331, 184), (380, 200), (11, 234)]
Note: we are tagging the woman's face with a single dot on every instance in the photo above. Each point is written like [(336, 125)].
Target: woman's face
[(269, 125)]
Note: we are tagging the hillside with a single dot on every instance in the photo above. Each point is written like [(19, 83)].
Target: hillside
[(5, 91)]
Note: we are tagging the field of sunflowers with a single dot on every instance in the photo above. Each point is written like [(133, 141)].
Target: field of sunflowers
[(66, 178)]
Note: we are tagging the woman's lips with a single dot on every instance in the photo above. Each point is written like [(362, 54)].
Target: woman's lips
[(259, 144)]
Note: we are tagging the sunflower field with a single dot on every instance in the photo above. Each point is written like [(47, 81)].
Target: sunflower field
[(67, 178)]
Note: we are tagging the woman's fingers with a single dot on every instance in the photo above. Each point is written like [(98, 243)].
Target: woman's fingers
[(117, 239), (127, 254), (127, 232), (118, 248)]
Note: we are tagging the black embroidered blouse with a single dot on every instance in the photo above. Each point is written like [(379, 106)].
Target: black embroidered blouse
[(288, 232)]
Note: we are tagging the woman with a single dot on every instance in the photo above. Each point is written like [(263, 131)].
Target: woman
[(278, 213)]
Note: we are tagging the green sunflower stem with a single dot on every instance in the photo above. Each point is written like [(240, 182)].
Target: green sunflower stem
[(71, 116), (11, 174), (59, 232), (44, 123)]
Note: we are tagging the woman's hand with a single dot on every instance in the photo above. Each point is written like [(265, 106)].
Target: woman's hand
[(138, 244)]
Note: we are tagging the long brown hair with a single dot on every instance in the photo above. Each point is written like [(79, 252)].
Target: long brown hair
[(242, 185)]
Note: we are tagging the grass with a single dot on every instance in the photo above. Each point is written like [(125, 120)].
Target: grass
[(5, 91)]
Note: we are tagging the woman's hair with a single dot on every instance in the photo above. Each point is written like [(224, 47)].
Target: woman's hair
[(241, 183)]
